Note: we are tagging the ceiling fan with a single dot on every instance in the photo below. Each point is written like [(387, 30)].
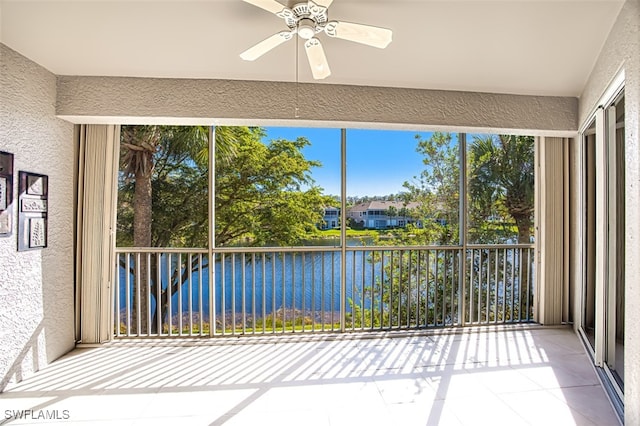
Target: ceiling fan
[(306, 19)]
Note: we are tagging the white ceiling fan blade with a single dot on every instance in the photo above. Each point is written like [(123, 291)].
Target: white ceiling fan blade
[(269, 5), (317, 59), (266, 45), (365, 34), (324, 3), (318, 8)]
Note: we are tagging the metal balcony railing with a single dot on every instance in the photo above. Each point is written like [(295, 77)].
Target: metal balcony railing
[(168, 292)]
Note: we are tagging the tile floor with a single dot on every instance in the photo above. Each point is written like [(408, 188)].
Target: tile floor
[(507, 376)]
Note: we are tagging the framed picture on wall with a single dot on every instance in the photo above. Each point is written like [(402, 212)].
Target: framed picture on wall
[(6, 193), (33, 210)]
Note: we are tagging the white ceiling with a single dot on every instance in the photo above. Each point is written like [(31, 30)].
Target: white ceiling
[(544, 47)]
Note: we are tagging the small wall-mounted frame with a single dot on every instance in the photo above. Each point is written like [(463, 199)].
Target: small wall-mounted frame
[(33, 207), (6, 193)]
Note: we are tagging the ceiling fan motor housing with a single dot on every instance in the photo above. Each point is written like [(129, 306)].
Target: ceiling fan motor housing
[(307, 18)]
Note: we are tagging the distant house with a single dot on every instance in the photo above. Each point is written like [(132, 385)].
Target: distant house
[(331, 218), (383, 214)]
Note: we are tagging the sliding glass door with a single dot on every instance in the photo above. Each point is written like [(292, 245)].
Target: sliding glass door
[(603, 255)]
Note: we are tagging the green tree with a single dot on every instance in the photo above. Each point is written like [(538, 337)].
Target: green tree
[(501, 207), (157, 164), (405, 300), (500, 191), (266, 196), (501, 186), (157, 161), (437, 189), (391, 212)]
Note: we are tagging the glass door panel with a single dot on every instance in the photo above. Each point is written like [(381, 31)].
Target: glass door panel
[(615, 292), (589, 282)]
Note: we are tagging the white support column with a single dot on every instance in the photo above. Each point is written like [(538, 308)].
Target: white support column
[(462, 221), (343, 229), (97, 192), (212, 232)]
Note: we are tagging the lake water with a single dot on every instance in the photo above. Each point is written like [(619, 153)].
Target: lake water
[(309, 281)]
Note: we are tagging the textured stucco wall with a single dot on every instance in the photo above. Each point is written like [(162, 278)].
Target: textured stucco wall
[(622, 51), (112, 100), (36, 287)]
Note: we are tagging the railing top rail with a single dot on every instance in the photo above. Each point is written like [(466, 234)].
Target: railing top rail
[(314, 248), (500, 246), (385, 248), (160, 250)]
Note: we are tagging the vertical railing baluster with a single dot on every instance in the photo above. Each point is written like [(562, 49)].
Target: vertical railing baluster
[(223, 292), (138, 304), (480, 278), (179, 271), (400, 285), (409, 276), (293, 292), (116, 297), (512, 282), (504, 284), (313, 291), (253, 293), (284, 292), (520, 284), (273, 294), (382, 304), (444, 286), (496, 306), (200, 307), (443, 265), (322, 293), (148, 287), (453, 311), (243, 292), (159, 292), (529, 285), (393, 302), (233, 294), (304, 294), (436, 289), (354, 302), (488, 286), (363, 294), (169, 296), (427, 292), (333, 288), (264, 293), (418, 290), (128, 294), (471, 286)]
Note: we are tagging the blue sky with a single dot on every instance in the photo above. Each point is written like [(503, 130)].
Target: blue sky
[(378, 161)]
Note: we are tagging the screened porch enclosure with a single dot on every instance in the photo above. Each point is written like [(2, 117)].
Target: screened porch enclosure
[(273, 266)]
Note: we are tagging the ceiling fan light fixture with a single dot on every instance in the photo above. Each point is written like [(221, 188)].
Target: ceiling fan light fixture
[(306, 28)]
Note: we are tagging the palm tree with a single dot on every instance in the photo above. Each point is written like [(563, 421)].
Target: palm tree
[(142, 148), (501, 183), (501, 177)]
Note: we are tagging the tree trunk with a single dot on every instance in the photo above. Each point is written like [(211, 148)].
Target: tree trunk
[(142, 238), (524, 223)]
